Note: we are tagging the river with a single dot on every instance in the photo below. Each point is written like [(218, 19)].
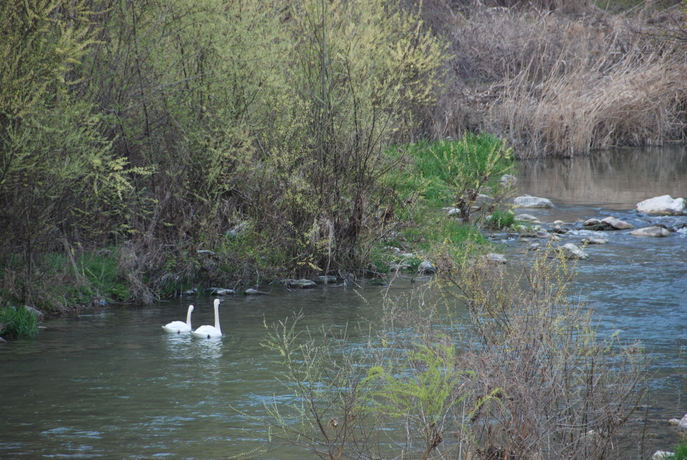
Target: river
[(112, 384)]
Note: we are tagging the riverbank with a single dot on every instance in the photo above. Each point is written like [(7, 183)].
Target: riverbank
[(156, 179)]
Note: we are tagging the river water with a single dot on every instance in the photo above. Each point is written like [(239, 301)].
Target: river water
[(114, 385)]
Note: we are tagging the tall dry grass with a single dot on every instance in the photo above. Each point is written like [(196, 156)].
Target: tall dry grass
[(562, 84)]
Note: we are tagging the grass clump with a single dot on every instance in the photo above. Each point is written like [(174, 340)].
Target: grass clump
[(18, 323), (446, 189), (681, 451)]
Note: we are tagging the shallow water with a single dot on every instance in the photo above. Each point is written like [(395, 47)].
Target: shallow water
[(114, 385)]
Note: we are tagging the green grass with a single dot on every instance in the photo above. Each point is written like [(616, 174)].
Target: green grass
[(681, 451), (18, 323), (440, 171), (502, 220), (430, 175)]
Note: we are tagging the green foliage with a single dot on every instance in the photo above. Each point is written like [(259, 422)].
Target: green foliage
[(681, 451), (502, 219), (18, 323), (447, 171), (40, 43), (418, 389)]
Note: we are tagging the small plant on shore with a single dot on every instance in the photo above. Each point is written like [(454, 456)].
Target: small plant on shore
[(681, 451), (18, 323), (501, 219)]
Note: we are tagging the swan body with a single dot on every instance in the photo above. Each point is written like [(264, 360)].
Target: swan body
[(207, 332), (178, 327)]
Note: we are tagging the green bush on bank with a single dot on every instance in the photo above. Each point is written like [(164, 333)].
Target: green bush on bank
[(429, 176), (18, 323)]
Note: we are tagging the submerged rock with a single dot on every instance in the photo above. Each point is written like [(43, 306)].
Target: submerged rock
[(327, 279), (220, 291), (663, 205), (594, 240), (527, 201), (654, 231), (300, 284), (571, 251), (527, 218)]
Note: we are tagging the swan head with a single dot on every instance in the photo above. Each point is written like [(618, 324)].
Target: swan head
[(217, 302), (190, 308)]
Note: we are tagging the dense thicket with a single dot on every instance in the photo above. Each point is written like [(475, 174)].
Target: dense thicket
[(165, 124), (215, 141)]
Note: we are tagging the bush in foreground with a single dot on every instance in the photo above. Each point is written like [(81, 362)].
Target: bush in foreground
[(500, 365)]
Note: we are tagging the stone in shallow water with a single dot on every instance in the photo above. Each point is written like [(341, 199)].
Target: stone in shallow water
[(617, 224), (527, 201), (594, 240), (663, 205), (571, 251), (654, 231)]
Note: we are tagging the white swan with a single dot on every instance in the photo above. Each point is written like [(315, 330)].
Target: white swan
[(206, 332), (177, 327)]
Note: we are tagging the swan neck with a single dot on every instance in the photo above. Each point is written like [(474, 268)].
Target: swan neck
[(217, 317)]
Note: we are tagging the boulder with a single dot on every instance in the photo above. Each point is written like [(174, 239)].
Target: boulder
[(426, 268), (496, 258), (682, 424), (220, 291), (594, 240), (527, 218), (594, 224), (616, 224), (508, 180), (327, 279), (654, 231), (543, 234), (300, 284), (251, 291), (663, 205), (527, 201), (571, 251)]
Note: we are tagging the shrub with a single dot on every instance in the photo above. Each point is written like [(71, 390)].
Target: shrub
[(18, 323), (525, 377)]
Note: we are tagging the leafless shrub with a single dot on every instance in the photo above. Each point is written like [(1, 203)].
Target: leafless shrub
[(543, 384)]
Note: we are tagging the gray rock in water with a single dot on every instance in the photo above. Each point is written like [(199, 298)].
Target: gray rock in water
[(326, 279), (527, 201), (663, 205), (220, 291), (527, 218), (682, 424), (300, 284), (617, 224), (251, 291), (426, 268), (654, 231), (571, 251), (508, 180), (496, 258), (594, 240), (594, 224)]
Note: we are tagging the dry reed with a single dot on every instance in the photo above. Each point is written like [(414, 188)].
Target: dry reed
[(557, 84)]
